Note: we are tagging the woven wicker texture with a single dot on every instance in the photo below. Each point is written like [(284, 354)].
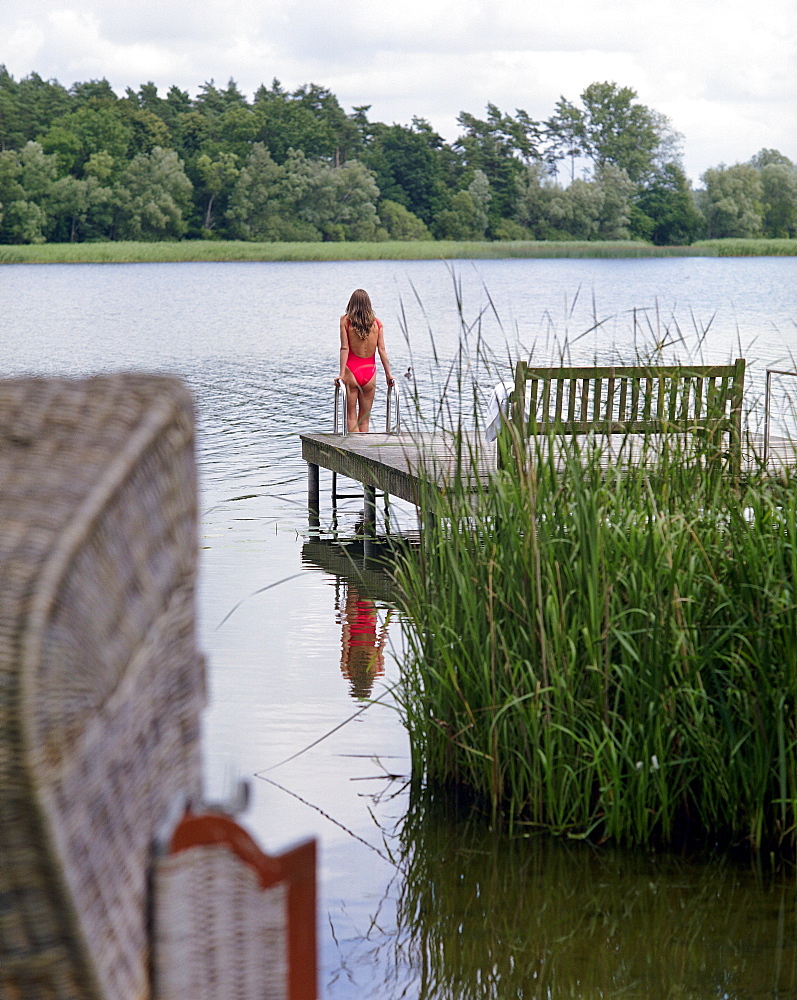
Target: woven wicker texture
[(101, 684), (219, 935)]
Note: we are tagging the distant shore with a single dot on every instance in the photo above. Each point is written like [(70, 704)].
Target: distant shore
[(229, 250)]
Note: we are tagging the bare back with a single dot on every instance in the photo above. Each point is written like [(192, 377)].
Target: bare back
[(361, 347)]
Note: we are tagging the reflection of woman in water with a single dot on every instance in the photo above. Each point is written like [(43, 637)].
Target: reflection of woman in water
[(361, 336), (362, 643)]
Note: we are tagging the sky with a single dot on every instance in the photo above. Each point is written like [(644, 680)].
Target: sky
[(725, 73)]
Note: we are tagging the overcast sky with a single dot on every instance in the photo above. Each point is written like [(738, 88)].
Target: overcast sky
[(724, 72)]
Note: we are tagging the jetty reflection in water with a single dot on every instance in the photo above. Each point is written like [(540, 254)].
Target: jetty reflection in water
[(362, 642), (364, 594)]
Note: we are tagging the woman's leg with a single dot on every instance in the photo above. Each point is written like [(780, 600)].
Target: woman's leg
[(352, 396), (367, 393)]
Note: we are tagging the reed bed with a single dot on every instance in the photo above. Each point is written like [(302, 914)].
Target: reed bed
[(236, 250), (748, 247), (606, 649)]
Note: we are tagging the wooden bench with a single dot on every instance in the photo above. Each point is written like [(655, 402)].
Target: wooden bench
[(640, 399)]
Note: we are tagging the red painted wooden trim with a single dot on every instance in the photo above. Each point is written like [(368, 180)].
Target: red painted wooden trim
[(296, 867), (200, 831)]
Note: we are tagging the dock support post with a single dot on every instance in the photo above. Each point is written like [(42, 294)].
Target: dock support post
[(313, 498), (369, 519), (370, 509)]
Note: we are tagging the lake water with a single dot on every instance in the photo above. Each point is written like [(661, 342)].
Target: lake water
[(414, 901)]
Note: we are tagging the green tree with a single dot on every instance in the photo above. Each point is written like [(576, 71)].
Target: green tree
[(10, 169), (309, 119), (235, 131), (574, 210), (99, 165), (93, 127), (28, 107), (37, 172), (499, 145), (779, 196), (177, 102), (459, 221), (25, 181), (766, 156), (147, 130), (732, 201), (611, 127), (536, 193), (340, 202), (22, 222), (212, 102), (400, 223), (12, 132), (481, 196), (65, 145), (191, 132), (93, 93), (669, 205), (153, 196), (616, 191), (564, 131), (11, 194), (263, 203), (408, 166), (80, 209), (218, 176)]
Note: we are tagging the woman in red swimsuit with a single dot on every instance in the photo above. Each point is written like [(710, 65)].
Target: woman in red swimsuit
[(361, 336)]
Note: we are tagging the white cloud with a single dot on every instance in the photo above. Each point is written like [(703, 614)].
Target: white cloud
[(25, 39), (723, 73)]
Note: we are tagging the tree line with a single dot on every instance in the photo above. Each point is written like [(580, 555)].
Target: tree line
[(83, 164)]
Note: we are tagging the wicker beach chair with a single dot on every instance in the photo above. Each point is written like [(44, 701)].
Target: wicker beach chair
[(101, 684), (232, 923)]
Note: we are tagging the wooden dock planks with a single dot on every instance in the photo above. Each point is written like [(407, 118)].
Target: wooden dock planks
[(394, 463), (398, 463)]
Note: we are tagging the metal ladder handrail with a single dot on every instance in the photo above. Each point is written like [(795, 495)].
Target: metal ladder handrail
[(392, 390), (338, 388), (339, 413), (770, 373)]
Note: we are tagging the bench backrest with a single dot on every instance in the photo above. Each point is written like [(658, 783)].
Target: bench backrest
[(633, 400), (641, 399)]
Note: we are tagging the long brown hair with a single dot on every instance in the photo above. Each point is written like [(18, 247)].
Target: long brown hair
[(360, 313)]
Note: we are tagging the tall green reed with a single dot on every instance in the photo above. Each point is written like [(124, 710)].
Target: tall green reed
[(605, 647)]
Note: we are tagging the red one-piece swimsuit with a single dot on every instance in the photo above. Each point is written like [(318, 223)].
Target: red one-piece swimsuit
[(363, 369)]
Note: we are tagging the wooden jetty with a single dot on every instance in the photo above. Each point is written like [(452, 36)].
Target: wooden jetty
[(623, 409), (396, 464), (404, 465)]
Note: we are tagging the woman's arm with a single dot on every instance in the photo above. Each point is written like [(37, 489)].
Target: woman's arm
[(344, 346), (380, 346)]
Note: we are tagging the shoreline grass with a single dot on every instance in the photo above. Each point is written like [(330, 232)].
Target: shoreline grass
[(220, 251), (748, 248), (610, 653)]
